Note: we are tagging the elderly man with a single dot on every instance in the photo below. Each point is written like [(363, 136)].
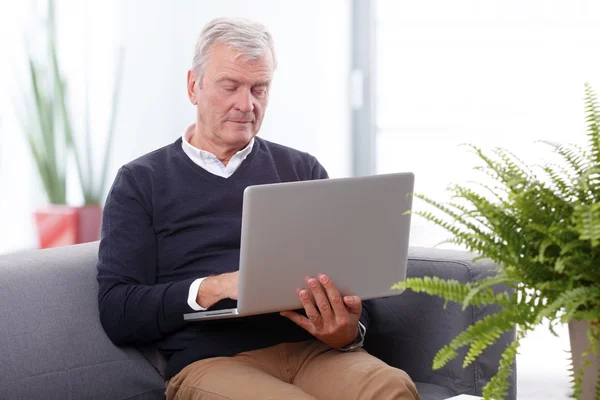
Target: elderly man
[(171, 240)]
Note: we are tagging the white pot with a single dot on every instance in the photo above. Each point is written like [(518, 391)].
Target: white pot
[(579, 343)]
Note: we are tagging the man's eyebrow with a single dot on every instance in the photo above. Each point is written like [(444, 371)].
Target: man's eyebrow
[(235, 81), (263, 83), (228, 79)]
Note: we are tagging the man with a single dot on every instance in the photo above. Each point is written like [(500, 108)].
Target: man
[(170, 245)]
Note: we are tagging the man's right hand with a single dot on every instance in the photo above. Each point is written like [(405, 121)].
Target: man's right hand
[(216, 288)]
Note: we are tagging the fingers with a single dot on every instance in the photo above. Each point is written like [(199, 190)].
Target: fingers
[(321, 299), (325, 306), (333, 295), (299, 320), (354, 304), (313, 315)]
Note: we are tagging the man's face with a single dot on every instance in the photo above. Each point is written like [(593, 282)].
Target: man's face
[(232, 98)]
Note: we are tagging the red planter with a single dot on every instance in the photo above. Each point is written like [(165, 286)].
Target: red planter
[(64, 225)]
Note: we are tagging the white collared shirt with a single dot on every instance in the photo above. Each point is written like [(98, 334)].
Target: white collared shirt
[(212, 164), (209, 161)]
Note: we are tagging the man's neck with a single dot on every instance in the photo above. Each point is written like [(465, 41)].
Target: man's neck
[(223, 152)]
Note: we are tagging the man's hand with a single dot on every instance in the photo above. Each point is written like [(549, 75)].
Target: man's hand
[(216, 288), (331, 319)]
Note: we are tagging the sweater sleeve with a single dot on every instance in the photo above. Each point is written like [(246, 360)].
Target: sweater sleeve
[(317, 170), (133, 307)]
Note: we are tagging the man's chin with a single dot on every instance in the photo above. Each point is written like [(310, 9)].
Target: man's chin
[(239, 137)]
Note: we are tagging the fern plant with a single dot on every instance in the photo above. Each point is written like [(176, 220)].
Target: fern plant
[(541, 225)]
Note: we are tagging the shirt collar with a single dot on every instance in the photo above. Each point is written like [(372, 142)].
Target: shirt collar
[(187, 135)]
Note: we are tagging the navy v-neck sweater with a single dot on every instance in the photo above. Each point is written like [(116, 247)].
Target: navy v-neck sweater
[(167, 222)]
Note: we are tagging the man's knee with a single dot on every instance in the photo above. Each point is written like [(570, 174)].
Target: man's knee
[(389, 383)]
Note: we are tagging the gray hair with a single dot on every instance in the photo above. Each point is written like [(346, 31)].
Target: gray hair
[(251, 38)]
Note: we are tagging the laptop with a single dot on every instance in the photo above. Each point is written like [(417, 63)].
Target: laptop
[(353, 229)]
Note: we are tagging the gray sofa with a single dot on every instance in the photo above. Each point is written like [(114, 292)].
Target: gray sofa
[(52, 345)]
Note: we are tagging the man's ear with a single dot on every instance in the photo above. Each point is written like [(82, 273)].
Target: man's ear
[(191, 86)]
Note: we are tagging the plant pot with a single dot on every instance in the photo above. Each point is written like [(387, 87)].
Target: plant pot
[(579, 344), (59, 225)]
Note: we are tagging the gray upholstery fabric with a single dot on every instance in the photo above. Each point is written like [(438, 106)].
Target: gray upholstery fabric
[(429, 391), (52, 345), (407, 330)]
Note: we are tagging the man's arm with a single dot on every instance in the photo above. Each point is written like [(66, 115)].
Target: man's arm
[(133, 307), (317, 170)]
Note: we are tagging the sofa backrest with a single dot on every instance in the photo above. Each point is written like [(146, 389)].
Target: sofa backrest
[(52, 345)]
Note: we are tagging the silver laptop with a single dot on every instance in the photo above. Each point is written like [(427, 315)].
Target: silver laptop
[(353, 229)]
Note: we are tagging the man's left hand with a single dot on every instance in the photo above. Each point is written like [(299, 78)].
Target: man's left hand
[(329, 318)]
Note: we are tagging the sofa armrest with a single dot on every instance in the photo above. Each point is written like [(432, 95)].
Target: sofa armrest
[(406, 331)]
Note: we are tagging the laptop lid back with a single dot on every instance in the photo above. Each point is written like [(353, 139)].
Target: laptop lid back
[(353, 229)]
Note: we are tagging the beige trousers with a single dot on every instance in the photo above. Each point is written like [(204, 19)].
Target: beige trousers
[(305, 370)]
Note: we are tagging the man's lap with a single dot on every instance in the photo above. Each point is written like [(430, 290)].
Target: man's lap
[(302, 370)]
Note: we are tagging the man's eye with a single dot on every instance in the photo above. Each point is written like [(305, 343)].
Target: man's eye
[(229, 89), (260, 92)]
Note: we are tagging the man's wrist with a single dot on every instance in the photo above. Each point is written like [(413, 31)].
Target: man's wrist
[(193, 298), (358, 342), (209, 292)]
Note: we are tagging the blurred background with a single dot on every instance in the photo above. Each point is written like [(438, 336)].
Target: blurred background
[(366, 86)]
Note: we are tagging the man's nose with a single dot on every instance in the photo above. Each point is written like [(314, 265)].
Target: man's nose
[(244, 101)]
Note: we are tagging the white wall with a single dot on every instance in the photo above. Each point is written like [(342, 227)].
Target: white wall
[(490, 73), (18, 183), (308, 108)]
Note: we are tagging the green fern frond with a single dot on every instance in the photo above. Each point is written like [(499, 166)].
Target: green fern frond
[(571, 299), (574, 158), (521, 164), (592, 111), (454, 291), (494, 192), (516, 172), (498, 386), (479, 345), (486, 329), (497, 168), (448, 211), (560, 179), (575, 378), (473, 243), (586, 219), (589, 184), (485, 284), (451, 290)]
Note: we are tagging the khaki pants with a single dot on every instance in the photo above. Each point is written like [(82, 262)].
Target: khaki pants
[(305, 370)]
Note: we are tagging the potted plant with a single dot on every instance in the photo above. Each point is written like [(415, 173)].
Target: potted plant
[(51, 139), (541, 225)]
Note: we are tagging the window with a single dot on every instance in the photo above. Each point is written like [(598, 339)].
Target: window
[(486, 73)]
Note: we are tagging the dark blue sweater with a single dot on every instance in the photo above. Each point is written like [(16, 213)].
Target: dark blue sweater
[(167, 222)]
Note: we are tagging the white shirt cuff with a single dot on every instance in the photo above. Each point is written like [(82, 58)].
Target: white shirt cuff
[(193, 295)]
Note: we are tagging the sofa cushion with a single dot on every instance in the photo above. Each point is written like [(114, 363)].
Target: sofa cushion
[(51, 340), (408, 330), (429, 391)]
